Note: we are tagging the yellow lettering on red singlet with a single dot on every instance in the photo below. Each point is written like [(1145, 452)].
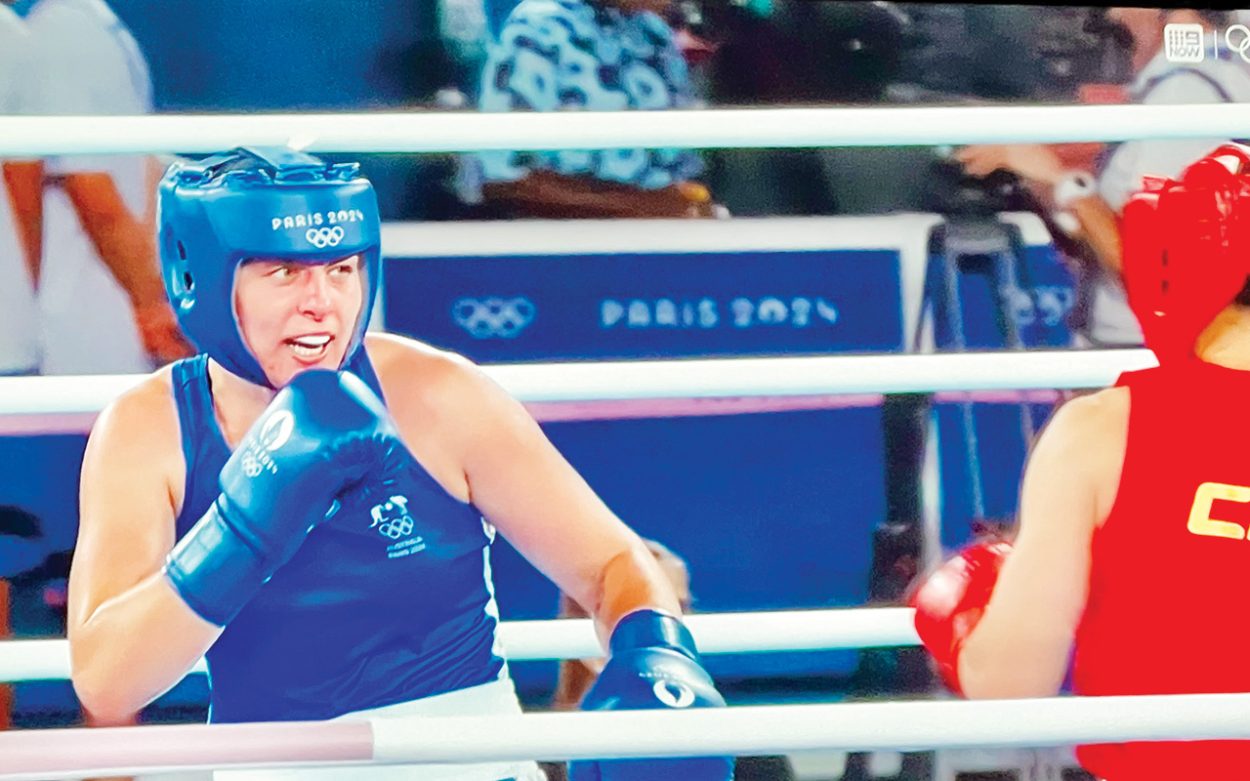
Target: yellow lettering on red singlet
[(1200, 520)]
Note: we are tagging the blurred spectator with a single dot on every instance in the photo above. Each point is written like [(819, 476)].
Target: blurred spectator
[(578, 675), (804, 52), (21, 550), (497, 15), (32, 589), (19, 340), (974, 50), (600, 55), (1087, 203), (465, 29), (1079, 50), (102, 305), (36, 574), (22, 547)]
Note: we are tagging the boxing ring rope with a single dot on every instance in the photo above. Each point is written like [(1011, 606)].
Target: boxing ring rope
[(715, 633), (430, 131), (42, 754), (738, 731), (696, 378)]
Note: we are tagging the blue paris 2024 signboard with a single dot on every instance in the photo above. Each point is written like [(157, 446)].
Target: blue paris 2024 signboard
[(621, 306)]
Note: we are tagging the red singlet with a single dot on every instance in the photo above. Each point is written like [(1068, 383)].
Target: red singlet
[(1170, 570)]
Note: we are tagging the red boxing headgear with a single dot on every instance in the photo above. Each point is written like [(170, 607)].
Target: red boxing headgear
[(1186, 250)]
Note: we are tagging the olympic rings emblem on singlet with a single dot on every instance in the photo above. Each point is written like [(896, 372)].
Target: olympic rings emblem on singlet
[(391, 518), (325, 237), (488, 318), (398, 529)]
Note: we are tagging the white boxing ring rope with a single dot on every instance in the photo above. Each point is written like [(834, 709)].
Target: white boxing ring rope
[(435, 131), (715, 633), (40, 754), (29, 755), (696, 378)]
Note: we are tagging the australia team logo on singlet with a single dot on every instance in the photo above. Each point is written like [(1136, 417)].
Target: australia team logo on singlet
[(392, 521)]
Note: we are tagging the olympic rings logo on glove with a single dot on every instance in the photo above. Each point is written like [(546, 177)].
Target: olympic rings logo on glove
[(324, 237), (251, 467), (493, 317)]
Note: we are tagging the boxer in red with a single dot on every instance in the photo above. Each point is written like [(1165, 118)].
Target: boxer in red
[(1131, 556)]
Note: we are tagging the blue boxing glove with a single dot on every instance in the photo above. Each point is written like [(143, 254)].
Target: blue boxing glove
[(321, 434), (653, 664)]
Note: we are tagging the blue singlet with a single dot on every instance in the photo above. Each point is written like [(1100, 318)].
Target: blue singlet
[(384, 603)]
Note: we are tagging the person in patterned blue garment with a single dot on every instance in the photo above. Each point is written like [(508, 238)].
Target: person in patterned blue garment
[(596, 55), (313, 509)]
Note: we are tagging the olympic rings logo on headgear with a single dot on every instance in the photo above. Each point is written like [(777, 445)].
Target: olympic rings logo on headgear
[(324, 237), (493, 317)]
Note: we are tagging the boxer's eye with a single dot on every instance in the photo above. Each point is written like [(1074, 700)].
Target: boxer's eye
[(345, 268)]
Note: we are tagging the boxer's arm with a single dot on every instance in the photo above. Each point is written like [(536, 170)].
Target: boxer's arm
[(126, 247), (124, 241), (560, 196), (1100, 229), (1021, 646), (131, 636), (25, 185), (542, 505)]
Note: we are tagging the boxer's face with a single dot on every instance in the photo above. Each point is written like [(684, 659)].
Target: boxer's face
[(297, 316)]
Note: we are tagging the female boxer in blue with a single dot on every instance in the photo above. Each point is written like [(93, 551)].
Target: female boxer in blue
[(313, 509)]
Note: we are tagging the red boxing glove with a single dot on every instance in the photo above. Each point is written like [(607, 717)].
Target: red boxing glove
[(949, 603)]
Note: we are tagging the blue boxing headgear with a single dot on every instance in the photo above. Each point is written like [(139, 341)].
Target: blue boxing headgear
[(272, 203)]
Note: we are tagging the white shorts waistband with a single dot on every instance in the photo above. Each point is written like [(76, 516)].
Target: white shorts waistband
[(493, 698)]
